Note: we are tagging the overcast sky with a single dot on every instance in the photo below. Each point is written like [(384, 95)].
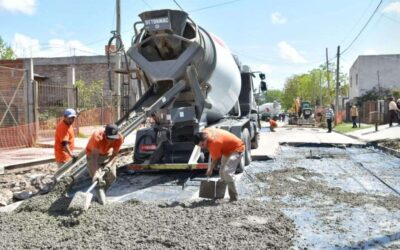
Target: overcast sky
[(279, 37)]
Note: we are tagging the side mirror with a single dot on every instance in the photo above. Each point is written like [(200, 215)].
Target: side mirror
[(263, 86), (262, 76)]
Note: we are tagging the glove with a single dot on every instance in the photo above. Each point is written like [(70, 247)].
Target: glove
[(74, 158), (97, 176)]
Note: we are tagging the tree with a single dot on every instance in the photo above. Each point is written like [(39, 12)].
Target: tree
[(313, 86), (88, 94), (6, 53), (273, 95)]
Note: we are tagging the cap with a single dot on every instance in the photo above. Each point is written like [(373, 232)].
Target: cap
[(70, 113), (112, 131)]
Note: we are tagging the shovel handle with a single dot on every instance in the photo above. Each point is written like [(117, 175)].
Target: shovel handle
[(92, 186)]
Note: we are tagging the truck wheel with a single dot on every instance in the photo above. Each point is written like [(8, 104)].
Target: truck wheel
[(240, 167), (254, 144), (247, 142)]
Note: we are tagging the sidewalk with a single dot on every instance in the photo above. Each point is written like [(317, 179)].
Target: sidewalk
[(369, 134), (45, 152)]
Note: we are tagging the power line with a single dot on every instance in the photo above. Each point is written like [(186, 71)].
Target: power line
[(358, 21), (391, 18), (215, 5), (178, 4), (148, 5), (363, 28)]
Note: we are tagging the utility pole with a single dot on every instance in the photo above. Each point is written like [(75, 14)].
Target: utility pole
[(379, 84), (118, 20), (337, 85), (320, 88), (118, 58), (327, 70)]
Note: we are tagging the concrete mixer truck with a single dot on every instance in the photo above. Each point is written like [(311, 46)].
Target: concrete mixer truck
[(192, 81)]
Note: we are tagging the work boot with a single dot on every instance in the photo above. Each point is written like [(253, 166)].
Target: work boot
[(233, 195)]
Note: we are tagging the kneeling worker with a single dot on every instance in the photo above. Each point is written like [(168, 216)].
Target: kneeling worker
[(222, 144), (272, 124), (101, 150)]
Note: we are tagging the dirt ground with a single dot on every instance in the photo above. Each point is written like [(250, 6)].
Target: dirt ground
[(392, 144), (25, 182), (300, 182)]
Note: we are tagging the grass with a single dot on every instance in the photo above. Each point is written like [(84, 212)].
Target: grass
[(347, 127), (81, 135)]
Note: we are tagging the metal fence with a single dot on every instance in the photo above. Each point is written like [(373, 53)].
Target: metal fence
[(370, 111), (54, 98), (15, 131)]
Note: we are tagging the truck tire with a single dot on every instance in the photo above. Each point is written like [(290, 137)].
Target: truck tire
[(240, 167), (247, 142), (254, 144)]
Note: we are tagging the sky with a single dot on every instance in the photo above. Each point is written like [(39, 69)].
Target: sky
[(278, 37)]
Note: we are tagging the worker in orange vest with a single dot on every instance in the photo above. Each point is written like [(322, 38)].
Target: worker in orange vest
[(101, 150), (272, 124), (225, 146), (64, 138)]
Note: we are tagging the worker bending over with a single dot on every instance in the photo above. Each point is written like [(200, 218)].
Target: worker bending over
[(101, 150), (272, 124), (223, 145), (64, 139)]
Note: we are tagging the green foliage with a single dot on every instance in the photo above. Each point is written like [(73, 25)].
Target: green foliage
[(313, 85), (374, 94), (6, 53), (89, 95), (49, 113), (273, 95)]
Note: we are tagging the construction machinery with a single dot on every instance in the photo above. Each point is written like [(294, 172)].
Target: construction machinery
[(301, 113), (212, 89), (191, 81)]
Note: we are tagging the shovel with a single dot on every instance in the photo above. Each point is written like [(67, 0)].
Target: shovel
[(82, 200)]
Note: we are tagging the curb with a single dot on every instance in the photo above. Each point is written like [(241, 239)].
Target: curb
[(351, 136), (322, 144), (389, 150), (44, 161)]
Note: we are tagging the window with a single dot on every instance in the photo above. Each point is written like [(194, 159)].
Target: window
[(356, 79)]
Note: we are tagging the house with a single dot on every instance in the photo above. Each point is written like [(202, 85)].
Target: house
[(33, 90), (374, 71)]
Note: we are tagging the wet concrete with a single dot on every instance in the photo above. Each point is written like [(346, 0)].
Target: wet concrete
[(136, 225), (308, 197)]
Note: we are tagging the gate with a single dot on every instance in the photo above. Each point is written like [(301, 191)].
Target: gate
[(15, 130), (53, 98)]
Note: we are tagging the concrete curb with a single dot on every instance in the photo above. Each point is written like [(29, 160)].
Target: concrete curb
[(322, 144), (376, 145), (351, 136), (44, 161), (389, 150)]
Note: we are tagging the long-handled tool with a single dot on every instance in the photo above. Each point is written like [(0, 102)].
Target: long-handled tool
[(82, 200)]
